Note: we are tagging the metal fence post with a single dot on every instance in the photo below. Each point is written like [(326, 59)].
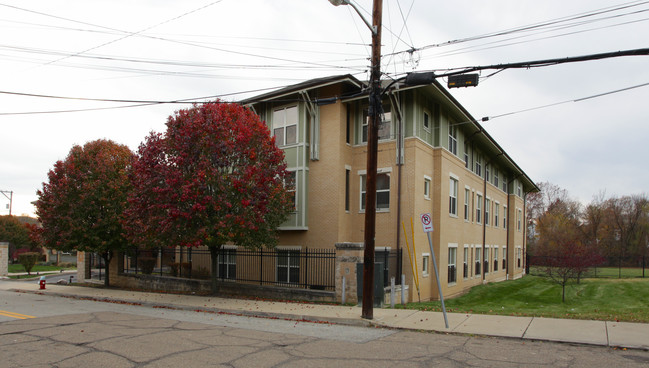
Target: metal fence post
[(392, 287)]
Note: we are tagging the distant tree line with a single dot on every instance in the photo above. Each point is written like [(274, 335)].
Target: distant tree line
[(570, 237)]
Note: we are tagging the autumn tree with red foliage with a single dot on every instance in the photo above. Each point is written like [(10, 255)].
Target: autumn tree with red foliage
[(564, 251), (82, 205), (215, 177)]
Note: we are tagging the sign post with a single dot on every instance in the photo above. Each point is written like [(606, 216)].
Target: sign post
[(427, 223)]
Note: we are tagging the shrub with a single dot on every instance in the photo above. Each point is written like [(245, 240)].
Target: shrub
[(202, 273), (28, 260), (184, 268), (147, 264)]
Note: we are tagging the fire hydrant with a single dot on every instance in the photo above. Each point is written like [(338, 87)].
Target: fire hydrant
[(42, 283)]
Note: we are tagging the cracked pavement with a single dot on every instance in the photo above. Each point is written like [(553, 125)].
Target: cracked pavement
[(116, 339)]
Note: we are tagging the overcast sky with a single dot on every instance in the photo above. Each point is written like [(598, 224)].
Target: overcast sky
[(177, 50)]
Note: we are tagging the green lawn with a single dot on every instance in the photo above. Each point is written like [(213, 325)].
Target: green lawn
[(13, 268), (596, 299)]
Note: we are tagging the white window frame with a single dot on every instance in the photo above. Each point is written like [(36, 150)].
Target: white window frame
[(467, 199), (496, 214), (284, 125), (294, 189), (486, 263), (386, 119), (426, 121), (452, 261), (466, 264), (452, 138), (478, 209), (487, 211), (427, 186), (363, 176), (495, 262), (519, 219), (478, 165), (452, 200), (425, 264), (289, 264), (504, 217)]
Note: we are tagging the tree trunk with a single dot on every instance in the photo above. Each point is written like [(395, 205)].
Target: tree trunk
[(107, 256), (214, 258)]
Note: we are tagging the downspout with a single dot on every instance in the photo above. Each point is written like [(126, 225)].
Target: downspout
[(524, 256), (484, 225), (507, 233), (509, 219), (484, 220), (400, 159)]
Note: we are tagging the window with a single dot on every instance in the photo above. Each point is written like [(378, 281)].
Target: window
[(487, 172), (348, 138), (227, 260), (465, 273), (495, 259), (425, 264), (452, 139), (478, 209), (452, 270), (466, 155), (487, 211), (519, 190), (467, 198), (291, 188), (382, 191), (426, 121), (288, 266), (519, 216), (505, 186), (385, 126), (496, 178), (504, 217), (452, 201), (504, 258), (486, 260), (347, 174), (496, 214), (478, 165), (519, 255), (285, 125), (478, 267), (427, 187)]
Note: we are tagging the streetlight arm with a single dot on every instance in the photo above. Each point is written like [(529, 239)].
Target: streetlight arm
[(367, 22)]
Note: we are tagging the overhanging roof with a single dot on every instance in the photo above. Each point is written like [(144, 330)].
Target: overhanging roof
[(435, 88)]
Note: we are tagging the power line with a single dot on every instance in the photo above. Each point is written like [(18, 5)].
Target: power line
[(567, 101), (550, 24), (141, 34)]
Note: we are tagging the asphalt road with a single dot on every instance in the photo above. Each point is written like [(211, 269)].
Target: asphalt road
[(67, 332)]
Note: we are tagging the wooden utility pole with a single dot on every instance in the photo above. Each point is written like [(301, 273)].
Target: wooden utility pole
[(374, 113)]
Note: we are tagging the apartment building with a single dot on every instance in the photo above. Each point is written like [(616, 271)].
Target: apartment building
[(434, 157)]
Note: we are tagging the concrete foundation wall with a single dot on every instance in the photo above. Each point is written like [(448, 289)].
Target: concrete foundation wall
[(4, 259)]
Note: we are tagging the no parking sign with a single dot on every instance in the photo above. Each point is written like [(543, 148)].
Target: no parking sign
[(427, 222)]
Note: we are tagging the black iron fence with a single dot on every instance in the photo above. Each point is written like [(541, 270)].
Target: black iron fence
[(300, 268), (606, 267)]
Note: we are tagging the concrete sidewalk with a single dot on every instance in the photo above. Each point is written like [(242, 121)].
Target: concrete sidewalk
[(604, 333)]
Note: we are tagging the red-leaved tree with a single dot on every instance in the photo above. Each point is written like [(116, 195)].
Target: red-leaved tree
[(215, 177), (82, 205)]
